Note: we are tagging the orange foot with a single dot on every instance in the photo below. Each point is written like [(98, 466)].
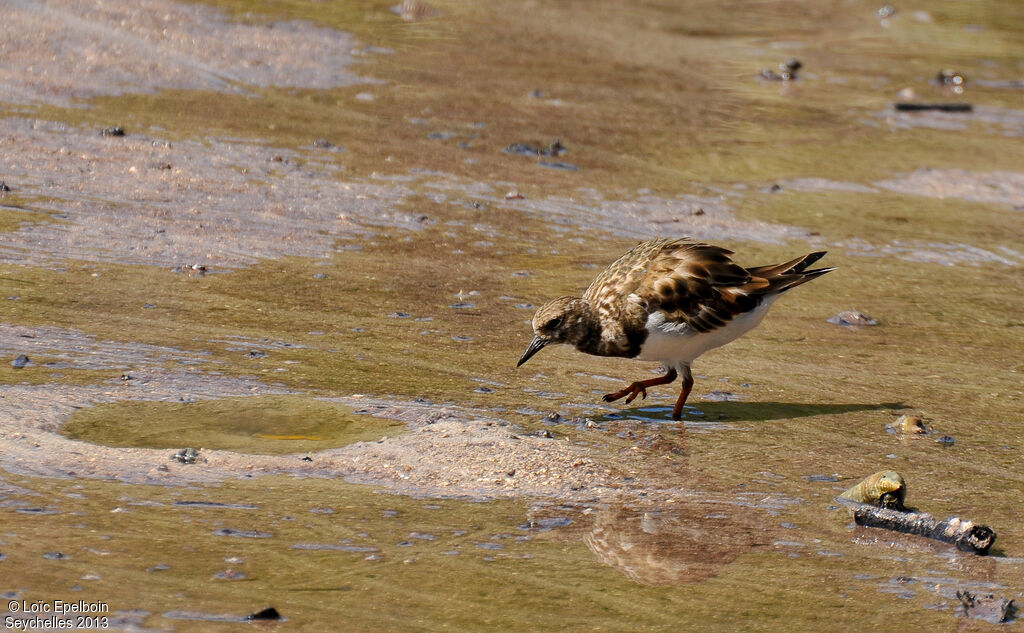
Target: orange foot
[(639, 388)]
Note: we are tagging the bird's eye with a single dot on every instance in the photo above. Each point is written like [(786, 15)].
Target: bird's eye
[(553, 323)]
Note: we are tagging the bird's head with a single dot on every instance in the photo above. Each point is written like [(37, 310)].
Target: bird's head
[(557, 321)]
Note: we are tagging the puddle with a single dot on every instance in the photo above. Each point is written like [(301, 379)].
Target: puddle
[(268, 425)]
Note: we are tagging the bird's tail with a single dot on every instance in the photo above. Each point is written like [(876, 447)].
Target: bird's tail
[(782, 277)]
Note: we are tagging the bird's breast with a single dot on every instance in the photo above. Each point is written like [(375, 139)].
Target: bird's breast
[(671, 342)]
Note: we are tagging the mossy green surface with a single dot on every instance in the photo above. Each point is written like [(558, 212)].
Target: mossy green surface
[(267, 425), (159, 554)]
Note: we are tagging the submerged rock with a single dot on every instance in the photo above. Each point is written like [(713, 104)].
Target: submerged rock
[(852, 318), (989, 608)]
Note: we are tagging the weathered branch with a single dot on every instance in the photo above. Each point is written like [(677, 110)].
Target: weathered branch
[(964, 534)]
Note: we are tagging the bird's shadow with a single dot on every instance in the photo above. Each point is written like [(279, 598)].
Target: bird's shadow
[(753, 411)]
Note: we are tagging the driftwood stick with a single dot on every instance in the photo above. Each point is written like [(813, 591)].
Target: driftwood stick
[(964, 534), (935, 107)]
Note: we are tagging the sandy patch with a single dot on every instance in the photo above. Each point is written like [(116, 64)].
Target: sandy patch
[(141, 200), (1000, 187), (56, 51), (448, 451)]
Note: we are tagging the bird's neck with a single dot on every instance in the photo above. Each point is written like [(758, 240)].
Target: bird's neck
[(584, 328)]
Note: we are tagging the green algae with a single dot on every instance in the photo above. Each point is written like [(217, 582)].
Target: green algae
[(267, 425)]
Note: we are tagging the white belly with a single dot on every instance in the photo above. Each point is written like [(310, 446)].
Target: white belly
[(672, 343)]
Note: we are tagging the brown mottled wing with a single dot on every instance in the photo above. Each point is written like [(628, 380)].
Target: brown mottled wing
[(698, 284), (609, 292)]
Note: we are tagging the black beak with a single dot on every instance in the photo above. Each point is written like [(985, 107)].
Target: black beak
[(535, 346)]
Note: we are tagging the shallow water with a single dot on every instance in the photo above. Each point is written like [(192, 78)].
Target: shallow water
[(365, 239)]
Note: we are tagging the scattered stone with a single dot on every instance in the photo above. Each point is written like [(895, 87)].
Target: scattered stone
[(186, 456), (399, 315), (555, 149), (946, 440), (270, 613), (256, 354), (116, 130), (951, 80), (787, 71), (514, 195), (3, 187), (126, 377), (886, 12), (988, 607), (20, 362), (55, 556), (852, 318), (323, 143)]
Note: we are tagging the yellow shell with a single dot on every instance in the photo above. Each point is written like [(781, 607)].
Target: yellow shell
[(910, 424), (873, 488)]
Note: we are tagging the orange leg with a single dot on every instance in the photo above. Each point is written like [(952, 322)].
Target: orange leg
[(677, 412), (640, 387)]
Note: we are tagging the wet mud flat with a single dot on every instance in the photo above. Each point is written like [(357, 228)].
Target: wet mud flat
[(263, 294)]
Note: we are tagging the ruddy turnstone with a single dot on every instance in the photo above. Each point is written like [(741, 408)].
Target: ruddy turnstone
[(668, 300)]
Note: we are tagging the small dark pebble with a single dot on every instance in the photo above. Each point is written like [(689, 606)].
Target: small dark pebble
[(270, 613), (462, 305), (126, 377), (241, 533), (116, 130), (948, 440), (255, 354), (55, 556), (20, 362), (483, 390), (148, 306), (307, 458), (3, 187), (3, 557), (399, 315), (536, 94), (775, 188), (934, 107), (553, 417)]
